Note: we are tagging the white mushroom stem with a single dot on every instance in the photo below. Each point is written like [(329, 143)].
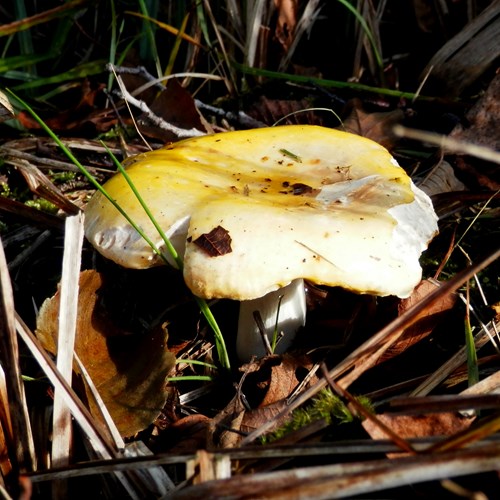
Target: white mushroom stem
[(283, 310)]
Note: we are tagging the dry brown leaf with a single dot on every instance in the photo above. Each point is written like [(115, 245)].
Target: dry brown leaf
[(270, 111), (483, 128), (265, 386), (442, 179), (425, 322), (483, 119), (128, 370), (175, 105), (376, 126), (190, 434), (285, 377), (418, 426), (224, 428), (253, 419), (80, 117), (287, 20)]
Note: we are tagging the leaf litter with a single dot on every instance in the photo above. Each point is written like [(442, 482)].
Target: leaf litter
[(419, 359)]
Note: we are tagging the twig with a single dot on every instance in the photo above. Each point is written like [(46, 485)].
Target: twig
[(240, 117), (448, 143), (159, 122), (366, 355)]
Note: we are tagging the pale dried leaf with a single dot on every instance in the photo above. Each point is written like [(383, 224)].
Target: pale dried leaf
[(6, 109), (442, 179)]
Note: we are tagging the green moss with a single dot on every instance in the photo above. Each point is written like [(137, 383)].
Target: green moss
[(325, 406), (43, 205)]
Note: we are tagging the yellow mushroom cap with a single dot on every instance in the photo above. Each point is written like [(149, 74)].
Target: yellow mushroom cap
[(252, 210)]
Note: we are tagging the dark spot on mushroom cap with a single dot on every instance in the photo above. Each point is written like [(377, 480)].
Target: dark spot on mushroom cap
[(299, 188), (215, 243)]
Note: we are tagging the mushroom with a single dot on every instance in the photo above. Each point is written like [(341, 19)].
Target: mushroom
[(255, 211)]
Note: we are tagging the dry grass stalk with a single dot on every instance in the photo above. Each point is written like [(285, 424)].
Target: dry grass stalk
[(449, 144), (41, 185), (426, 386), (372, 15), (309, 16), (62, 429), (368, 354), (16, 426), (100, 443), (348, 480)]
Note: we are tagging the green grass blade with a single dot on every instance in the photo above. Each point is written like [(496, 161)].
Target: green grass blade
[(171, 250), (202, 304), (192, 378), (328, 83), (366, 29), (84, 171), (112, 44), (180, 361), (40, 18), (25, 40), (14, 62), (470, 348), (175, 49), (219, 339), (79, 72), (148, 48)]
